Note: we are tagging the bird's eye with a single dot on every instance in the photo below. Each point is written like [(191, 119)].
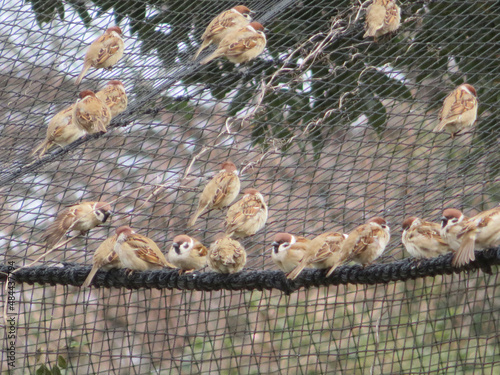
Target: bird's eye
[(186, 245), (247, 16), (454, 220)]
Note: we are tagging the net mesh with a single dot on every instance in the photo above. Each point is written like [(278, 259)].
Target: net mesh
[(332, 128)]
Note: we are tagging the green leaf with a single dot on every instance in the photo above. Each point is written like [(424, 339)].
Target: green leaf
[(60, 9), (43, 370), (62, 362), (55, 370)]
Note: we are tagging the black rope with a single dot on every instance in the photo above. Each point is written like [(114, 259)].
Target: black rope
[(402, 270)]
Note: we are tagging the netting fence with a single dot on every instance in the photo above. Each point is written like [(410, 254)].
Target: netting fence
[(332, 128)]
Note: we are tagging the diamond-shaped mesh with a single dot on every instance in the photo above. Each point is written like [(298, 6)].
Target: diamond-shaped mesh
[(332, 128)]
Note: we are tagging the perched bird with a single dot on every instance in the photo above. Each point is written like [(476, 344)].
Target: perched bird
[(61, 131), (104, 52), (244, 45), (459, 110), (90, 113), (329, 254), (81, 217), (105, 258), (325, 253), (138, 252), (247, 216), (367, 242), (382, 17), (220, 192), (289, 251), (225, 23), (481, 231), (226, 255), (187, 253), (114, 96), (451, 225), (422, 239)]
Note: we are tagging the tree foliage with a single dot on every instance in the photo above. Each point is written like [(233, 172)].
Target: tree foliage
[(335, 76)]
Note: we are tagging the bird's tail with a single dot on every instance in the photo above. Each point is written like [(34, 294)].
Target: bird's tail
[(86, 67), (53, 235), (371, 31), (333, 268), (41, 149), (465, 253), (297, 270), (194, 217), (440, 126), (90, 277), (202, 47), (210, 57)]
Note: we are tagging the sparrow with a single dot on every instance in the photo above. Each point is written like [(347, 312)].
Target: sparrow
[(105, 258), (329, 255), (224, 24), (244, 45), (367, 242), (226, 255), (247, 216), (104, 52), (220, 192), (61, 131), (422, 239), (325, 254), (138, 252), (459, 110), (82, 217), (90, 113), (451, 224), (188, 254), (114, 96), (481, 231), (289, 251), (382, 17)]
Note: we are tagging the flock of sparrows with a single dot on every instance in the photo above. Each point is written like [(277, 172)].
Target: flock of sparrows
[(239, 39), (291, 253)]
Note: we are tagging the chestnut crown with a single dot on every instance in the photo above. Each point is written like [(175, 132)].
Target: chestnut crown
[(408, 222)]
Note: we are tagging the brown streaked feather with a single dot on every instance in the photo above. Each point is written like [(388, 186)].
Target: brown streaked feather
[(201, 250), (391, 13), (366, 237), (331, 242), (104, 257), (106, 53), (221, 23), (241, 46), (110, 47), (431, 230), (468, 234), (143, 249), (478, 221), (305, 248), (224, 181)]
